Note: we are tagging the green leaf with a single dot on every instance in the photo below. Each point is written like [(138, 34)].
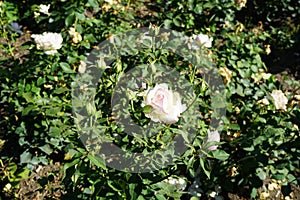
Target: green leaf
[(220, 154), (80, 16), (60, 90), (239, 90), (23, 173), (93, 3), (132, 193), (54, 131), (261, 119), (25, 157), (168, 23), (90, 38), (40, 81), (253, 193), (66, 67), (28, 109), (46, 148), (110, 183), (28, 97), (202, 164), (140, 198), (147, 109), (70, 20), (98, 161), (292, 178), (52, 112), (234, 127), (68, 165), (160, 197), (177, 21), (251, 148), (261, 174)]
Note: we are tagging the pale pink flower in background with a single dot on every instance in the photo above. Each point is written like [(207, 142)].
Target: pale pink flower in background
[(204, 40), (166, 104), (82, 67), (279, 99), (76, 37), (45, 9), (264, 101), (213, 136), (49, 42)]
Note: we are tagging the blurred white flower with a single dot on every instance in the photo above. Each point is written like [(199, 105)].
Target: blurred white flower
[(240, 3), (109, 1), (212, 194), (82, 67), (144, 85), (7, 187), (279, 99), (213, 136), (257, 77), (45, 9), (84, 87), (266, 76), (76, 37), (36, 14), (203, 40), (264, 101), (297, 97), (166, 104), (268, 49), (273, 186), (226, 24), (49, 42), (179, 183)]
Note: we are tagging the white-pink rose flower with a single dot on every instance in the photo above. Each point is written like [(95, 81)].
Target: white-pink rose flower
[(166, 104), (49, 42)]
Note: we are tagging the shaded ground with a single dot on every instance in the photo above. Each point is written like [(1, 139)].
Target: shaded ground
[(283, 63)]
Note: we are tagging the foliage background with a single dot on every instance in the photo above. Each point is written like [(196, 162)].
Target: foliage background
[(41, 153)]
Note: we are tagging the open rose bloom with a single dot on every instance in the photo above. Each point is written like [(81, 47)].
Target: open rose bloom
[(49, 42), (166, 104)]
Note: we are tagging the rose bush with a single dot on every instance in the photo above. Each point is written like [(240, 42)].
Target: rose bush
[(166, 104), (260, 130)]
